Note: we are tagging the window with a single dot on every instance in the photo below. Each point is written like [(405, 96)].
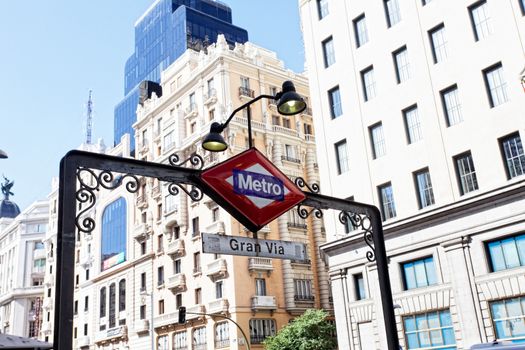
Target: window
[(424, 2), (466, 173), (179, 341), (142, 248), (143, 282), (222, 335), (377, 140), (424, 188), (211, 87), (245, 83), (419, 273), (86, 303), (507, 253), (33, 331), (401, 64), (496, 85), (178, 301), (386, 198), (85, 329), (177, 266), (334, 97), (307, 129), (102, 302), (481, 23), (361, 33), (75, 307), (508, 316), (114, 234), (341, 157), (392, 12), (412, 124), (215, 214), (451, 105), (431, 330), (142, 312), (276, 120), (513, 155), (163, 342), (260, 329), (197, 262), (112, 301), (170, 204), (303, 290), (260, 286), (169, 141), (218, 289), (369, 83), (195, 226), (199, 338), (161, 306), (322, 8), (122, 295), (160, 275), (360, 290), (198, 296), (211, 115), (192, 105), (328, 52), (286, 122), (522, 6), (160, 243), (438, 43)]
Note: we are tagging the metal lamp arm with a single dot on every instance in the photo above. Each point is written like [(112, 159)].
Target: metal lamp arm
[(225, 124)]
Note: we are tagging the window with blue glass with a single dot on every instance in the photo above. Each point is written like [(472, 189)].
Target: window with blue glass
[(419, 273), (360, 289), (328, 52), (334, 98), (432, 330), (113, 241), (507, 253), (508, 317)]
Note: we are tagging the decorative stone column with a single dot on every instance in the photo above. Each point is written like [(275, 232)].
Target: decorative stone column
[(342, 314)]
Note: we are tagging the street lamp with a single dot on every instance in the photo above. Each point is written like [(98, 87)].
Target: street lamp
[(289, 102), (3, 155)]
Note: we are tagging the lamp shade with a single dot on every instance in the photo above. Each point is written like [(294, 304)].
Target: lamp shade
[(3, 155), (214, 142), (290, 102)]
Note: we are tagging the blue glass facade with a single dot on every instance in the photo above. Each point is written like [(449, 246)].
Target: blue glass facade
[(113, 240), (161, 36)]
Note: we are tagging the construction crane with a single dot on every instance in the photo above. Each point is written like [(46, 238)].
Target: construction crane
[(89, 118)]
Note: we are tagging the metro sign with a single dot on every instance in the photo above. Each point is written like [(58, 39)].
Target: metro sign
[(253, 186)]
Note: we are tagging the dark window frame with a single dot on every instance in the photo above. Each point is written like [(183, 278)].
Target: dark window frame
[(329, 39), (501, 140), (363, 72), (337, 155), (458, 175), (442, 94), (396, 66), (485, 72), (355, 21), (430, 32)]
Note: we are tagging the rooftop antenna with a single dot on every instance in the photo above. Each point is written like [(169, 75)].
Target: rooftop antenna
[(89, 118)]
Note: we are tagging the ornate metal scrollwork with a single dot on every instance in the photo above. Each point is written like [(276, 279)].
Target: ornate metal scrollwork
[(304, 213), (89, 183), (195, 160), (365, 223), (301, 183)]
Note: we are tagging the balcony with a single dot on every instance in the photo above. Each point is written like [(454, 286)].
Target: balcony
[(285, 131), (191, 111), (260, 264), (141, 231), (171, 213), (166, 319), (48, 303), (304, 298), (141, 326), (112, 333), (155, 192), (39, 254), (210, 97), (291, 159), (218, 306), (46, 327), (216, 227), (177, 283), (200, 309), (264, 302), (83, 342), (297, 225), (246, 92), (86, 260), (309, 138), (49, 280), (217, 269), (175, 248), (142, 201)]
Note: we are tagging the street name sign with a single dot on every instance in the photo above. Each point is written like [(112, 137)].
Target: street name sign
[(235, 245), (254, 186)]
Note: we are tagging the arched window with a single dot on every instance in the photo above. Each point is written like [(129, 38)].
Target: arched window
[(103, 302), (122, 295), (113, 242)]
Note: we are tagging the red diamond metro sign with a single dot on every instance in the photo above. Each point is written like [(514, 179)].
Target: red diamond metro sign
[(254, 186)]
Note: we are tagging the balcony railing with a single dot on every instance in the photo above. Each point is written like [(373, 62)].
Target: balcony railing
[(210, 96), (257, 339), (219, 306), (260, 264), (48, 303), (309, 138), (141, 231), (142, 201), (200, 309), (83, 341), (155, 192), (175, 248), (264, 302), (301, 225), (223, 343), (243, 91), (217, 269), (166, 319), (120, 331), (308, 298), (286, 131), (141, 326), (191, 109), (176, 283), (291, 159), (39, 254)]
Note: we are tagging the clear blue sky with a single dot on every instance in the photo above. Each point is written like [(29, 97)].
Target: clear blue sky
[(54, 51)]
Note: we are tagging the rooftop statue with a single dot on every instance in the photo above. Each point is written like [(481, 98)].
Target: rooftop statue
[(6, 188)]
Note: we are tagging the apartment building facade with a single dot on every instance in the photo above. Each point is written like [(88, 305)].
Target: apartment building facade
[(22, 267), (420, 109)]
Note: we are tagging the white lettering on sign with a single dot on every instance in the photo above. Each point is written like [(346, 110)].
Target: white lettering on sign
[(221, 244), (258, 185)]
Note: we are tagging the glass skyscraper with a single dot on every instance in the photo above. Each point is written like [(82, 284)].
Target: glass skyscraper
[(163, 34)]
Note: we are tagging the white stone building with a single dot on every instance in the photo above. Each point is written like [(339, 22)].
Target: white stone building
[(418, 110), (22, 267)]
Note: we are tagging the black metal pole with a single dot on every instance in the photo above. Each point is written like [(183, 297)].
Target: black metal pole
[(249, 115)]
